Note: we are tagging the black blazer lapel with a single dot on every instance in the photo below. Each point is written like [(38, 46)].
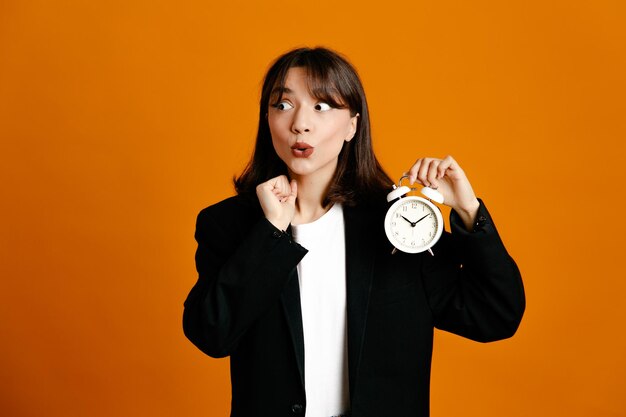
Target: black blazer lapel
[(293, 313), (360, 250)]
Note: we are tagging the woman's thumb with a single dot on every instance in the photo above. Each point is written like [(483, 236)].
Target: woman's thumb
[(294, 191)]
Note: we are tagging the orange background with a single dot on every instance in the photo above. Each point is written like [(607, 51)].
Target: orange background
[(120, 120)]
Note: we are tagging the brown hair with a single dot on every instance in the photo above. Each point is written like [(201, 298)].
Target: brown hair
[(332, 79)]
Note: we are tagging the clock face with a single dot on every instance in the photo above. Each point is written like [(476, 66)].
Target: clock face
[(413, 224)]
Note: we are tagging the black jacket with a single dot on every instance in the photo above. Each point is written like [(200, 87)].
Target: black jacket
[(246, 305)]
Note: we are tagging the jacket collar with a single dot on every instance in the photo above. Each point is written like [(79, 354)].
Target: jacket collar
[(360, 250), (359, 271)]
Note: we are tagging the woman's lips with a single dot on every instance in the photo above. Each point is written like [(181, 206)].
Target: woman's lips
[(301, 150)]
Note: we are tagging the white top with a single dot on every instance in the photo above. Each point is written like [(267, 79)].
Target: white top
[(322, 278)]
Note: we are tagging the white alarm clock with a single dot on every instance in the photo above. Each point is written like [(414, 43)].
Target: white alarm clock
[(413, 224)]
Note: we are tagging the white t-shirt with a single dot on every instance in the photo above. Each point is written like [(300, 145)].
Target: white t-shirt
[(322, 278)]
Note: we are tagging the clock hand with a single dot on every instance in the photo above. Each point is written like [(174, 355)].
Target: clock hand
[(413, 224)]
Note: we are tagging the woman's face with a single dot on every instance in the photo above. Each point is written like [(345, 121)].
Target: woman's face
[(307, 134)]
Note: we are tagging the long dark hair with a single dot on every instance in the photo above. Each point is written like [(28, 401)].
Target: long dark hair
[(359, 176)]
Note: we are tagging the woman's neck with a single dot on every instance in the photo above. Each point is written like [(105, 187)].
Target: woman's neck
[(311, 193)]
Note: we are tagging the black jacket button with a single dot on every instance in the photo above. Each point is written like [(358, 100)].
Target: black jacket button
[(297, 408), (276, 234)]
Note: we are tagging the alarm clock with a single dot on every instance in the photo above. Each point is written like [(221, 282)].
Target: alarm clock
[(413, 224)]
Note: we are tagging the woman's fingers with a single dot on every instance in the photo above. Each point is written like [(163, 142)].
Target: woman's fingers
[(293, 194), (432, 173), (447, 176), (428, 171), (425, 171), (280, 186), (446, 163), (412, 173), (277, 197)]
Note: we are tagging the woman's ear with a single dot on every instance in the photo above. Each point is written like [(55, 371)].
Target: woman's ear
[(354, 121)]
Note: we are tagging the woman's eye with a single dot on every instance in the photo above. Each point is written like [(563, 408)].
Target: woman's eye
[(322, 107), (283, 105)]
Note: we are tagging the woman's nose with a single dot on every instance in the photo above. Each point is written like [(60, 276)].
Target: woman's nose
[(301, 122)]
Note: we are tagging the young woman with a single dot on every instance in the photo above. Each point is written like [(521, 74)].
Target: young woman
[(297, 283)]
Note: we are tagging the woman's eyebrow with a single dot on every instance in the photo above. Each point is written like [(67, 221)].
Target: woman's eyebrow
[(281, 90)]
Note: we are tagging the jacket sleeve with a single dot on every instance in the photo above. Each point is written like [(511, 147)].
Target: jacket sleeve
[(473, 286), (241, 275)]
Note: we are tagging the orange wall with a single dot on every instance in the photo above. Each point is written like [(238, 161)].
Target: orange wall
[(120, 120)]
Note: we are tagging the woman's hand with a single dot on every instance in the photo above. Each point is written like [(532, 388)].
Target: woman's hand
[(278, 200), (448, 178)]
